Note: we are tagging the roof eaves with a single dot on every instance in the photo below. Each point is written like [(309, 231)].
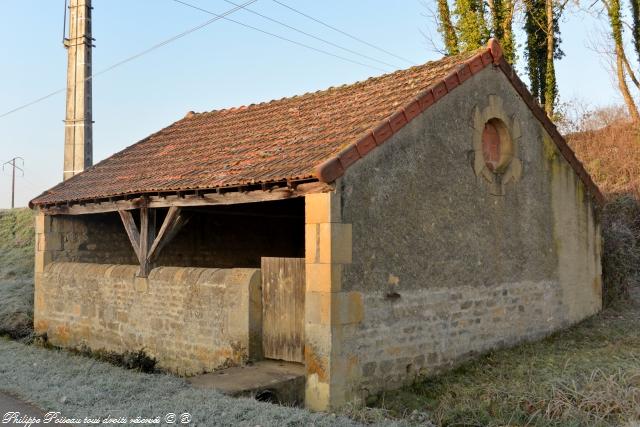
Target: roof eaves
[(334, 168)]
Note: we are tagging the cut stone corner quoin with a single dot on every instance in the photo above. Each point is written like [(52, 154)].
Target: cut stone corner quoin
[(334, 167)]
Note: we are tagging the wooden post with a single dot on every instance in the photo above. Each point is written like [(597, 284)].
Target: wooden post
[(147, 236)]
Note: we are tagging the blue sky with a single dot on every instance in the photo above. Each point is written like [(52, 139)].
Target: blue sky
[(219, 66)]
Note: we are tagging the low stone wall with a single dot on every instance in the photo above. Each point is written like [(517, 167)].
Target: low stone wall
[(191, 320), (425, 331)]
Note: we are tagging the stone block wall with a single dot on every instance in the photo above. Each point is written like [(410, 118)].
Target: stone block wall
[(328, 308), (86, 238), (191, 320), (428, 330)]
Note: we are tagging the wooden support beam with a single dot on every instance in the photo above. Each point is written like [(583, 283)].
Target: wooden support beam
[(173, 222), (190, 200), (132, 231), (145, 243), (147, 236)]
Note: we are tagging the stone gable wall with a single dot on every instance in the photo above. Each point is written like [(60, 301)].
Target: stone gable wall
[(451, 262)]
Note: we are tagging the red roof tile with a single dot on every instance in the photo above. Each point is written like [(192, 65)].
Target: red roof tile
[(273, 141), (312, 136)]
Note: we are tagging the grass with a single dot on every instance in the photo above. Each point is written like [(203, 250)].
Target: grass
[(81, 387), (586, 375), (16, 244), (16, 272), (16, 308)]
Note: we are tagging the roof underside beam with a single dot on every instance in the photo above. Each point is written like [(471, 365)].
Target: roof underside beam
[(188, 200)]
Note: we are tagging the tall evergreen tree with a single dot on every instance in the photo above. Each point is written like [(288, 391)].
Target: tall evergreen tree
[(635, 25), (471, 24), (447, 29), (542, 49)]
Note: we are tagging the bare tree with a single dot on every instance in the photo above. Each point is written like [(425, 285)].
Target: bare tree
[(622, 66)]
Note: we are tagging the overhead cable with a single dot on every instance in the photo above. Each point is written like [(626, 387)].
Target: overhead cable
[(343, 32), (284, 24), (282, 37), (137, 55)]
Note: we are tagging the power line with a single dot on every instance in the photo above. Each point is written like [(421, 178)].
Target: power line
[(137, 55), (344, 32), (353, 61), (316, 37)]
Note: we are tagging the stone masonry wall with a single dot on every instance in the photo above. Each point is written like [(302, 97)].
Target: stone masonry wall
[(449, 264), (426, 331), (191, 320), (86, 238), (200, 307)]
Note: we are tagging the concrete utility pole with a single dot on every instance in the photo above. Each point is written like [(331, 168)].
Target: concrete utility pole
[(78, 132), (13, 165)]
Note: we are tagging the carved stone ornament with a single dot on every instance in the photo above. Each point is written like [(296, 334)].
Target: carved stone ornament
[(496, 138)]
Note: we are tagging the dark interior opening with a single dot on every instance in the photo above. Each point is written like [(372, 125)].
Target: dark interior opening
[(214, 237), (237, 235)]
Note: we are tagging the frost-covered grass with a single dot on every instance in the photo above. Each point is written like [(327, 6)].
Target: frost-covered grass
[(80, 387), (16, 308), (16, 272), (16, 243)]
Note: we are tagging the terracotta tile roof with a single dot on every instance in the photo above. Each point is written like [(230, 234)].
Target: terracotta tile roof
[(273, 141), (312, 136)]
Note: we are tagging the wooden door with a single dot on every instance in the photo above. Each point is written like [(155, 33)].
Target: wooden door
[(283, 286)]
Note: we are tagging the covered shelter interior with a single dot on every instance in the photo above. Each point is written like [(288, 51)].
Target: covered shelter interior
[(218, 236)]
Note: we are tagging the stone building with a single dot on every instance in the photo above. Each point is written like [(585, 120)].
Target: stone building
[(372, 232)]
